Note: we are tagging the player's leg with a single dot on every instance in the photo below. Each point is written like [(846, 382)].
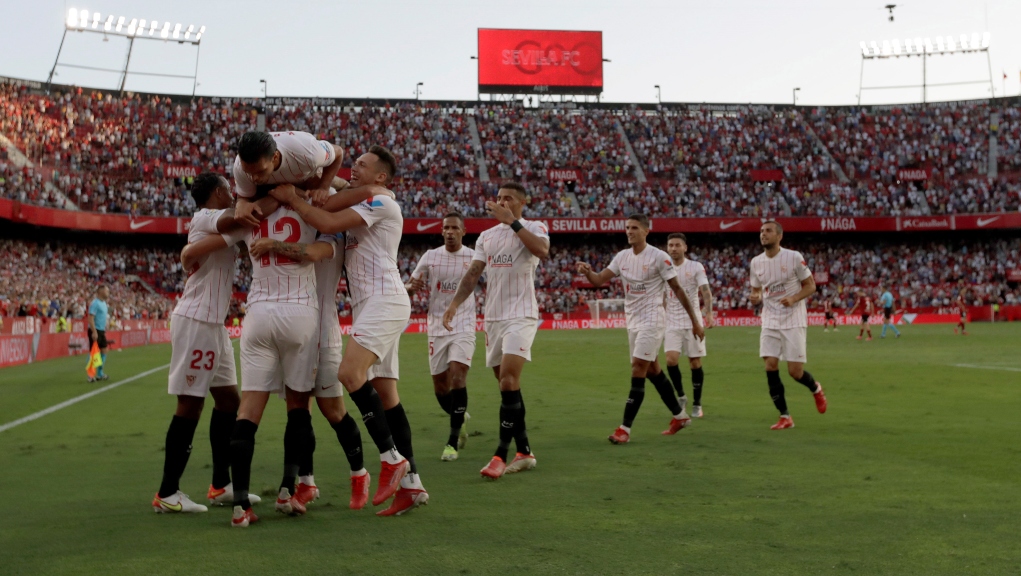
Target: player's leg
[(298, 445), (697, 381), (636, 394), (457, 379), (440, 385), (770, 350), (103, 349), (795, 354), (410, 493), (680, 417), (512, 410), (177, 449), (672, 344), (861, 331), (350, 439), (226, 399)]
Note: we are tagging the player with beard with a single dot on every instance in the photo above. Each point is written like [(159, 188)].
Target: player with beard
[(781, 281), (450, 353), (646, 272), (369, 369)]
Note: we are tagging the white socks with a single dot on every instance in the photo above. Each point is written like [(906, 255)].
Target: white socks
[(391, 456), (307, 480)]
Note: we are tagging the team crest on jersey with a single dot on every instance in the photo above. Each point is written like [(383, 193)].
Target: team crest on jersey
[(501, 261), (783, 269), (350, 242), (190, 379)]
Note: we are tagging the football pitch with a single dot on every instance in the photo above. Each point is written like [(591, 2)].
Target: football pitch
[(913, 470)]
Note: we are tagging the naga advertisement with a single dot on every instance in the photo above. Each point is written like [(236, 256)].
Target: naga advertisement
[(540, 62)]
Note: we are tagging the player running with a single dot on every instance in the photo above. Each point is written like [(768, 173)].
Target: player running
[(511, 251), (381, 313), (961, 303), (887, 301), (645, 270), (781, 281), (865, 303), (201, 357), (679, 337), (450, 352), (830, 318)]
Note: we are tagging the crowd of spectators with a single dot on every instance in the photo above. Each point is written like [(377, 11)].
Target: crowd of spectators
[(114, 154)]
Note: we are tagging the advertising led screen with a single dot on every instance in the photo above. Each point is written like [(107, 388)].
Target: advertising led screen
[(540, 61)]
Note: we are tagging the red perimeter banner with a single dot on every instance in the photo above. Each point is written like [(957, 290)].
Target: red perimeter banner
[(540, 61), (51, 217)]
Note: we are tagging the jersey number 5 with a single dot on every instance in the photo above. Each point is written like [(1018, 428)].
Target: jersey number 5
[(293, 235)]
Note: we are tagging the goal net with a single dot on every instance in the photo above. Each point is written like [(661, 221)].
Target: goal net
[(607, 312)]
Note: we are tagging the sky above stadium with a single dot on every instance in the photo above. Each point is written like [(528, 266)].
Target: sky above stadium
[(735, 51)]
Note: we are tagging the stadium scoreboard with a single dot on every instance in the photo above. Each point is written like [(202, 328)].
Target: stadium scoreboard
[(540, 62)]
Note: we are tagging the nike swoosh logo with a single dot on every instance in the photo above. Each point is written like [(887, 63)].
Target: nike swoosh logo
[(423, 227), (983, 222), (330, 386), (725, 225), (172, 507), (136, 225)]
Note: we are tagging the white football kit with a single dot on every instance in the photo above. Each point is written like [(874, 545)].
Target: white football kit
[(302, 156), (201, 354), (783, 328), (645, 277), (381, 307), (328, 273), (442, 271), (280, 338), (512, 312), (679, 337)]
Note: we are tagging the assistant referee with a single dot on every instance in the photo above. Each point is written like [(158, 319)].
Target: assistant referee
[(99, 314)]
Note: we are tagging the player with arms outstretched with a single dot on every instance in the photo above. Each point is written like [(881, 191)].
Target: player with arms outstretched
[(679, 337), (511, 251), (781, 281), (450, 352), (646, 271)]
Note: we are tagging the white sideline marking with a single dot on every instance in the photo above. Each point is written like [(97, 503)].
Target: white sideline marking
[(1003, 368), (77, 399)]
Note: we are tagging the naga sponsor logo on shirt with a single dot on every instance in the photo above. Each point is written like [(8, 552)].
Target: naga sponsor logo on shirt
[(350, 242), (448, 287), (501, 261), (775, 290), (637, 288)]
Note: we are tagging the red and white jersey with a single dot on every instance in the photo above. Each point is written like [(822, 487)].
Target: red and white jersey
[(302, 156), (691, 276), (510, 271), (645, 277), (210, 282), (778, 277), (277, 278), (442, 271), (370, 251), (328, 273)]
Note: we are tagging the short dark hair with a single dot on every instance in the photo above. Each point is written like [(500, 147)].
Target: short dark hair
[(677, 236), (515, 186), (454, 214), (255, 146), (387, 158), (204, 185), (641, 219), (779, 228)]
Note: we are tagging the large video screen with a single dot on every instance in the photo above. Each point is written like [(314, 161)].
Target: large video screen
[(540, 61)]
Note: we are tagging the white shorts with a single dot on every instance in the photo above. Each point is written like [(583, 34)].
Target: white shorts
[(279, 347), (644, 343), (513, 336), (787, 344), (201, 358), (451, 348), (378, 322), (327, 385), (683, 340)]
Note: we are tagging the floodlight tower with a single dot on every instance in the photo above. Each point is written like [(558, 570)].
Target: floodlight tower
[(84, 21), (925, 49)]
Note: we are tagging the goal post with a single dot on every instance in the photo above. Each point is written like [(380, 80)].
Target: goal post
[(604, 311)]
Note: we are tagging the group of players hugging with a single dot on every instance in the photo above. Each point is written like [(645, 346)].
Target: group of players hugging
[(304, 228)]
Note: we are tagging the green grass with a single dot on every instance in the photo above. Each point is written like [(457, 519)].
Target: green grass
[(912, 471)]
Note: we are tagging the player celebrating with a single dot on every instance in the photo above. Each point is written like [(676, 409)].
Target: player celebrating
[(830, 318), (887, 301), (381, 313), (781, 281), (511, 250), (450, 353), (202, 358), (645, 270), (866, 310), (962, 310), (679, 337)]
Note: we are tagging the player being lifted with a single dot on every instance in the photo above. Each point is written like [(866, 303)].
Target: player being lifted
[(961, 303), (865, 303), (887, 301), (679, 336), (202, 358), (646, 271), (511, 251), (369, 369), (781, 281), (450, 352)]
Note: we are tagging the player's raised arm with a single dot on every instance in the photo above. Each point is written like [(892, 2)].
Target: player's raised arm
[(596, 280), (465, 288), (192, 253), (696, 328), (348, 197), (538, 246), (323, 182), (325, 222), (230, 222)]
